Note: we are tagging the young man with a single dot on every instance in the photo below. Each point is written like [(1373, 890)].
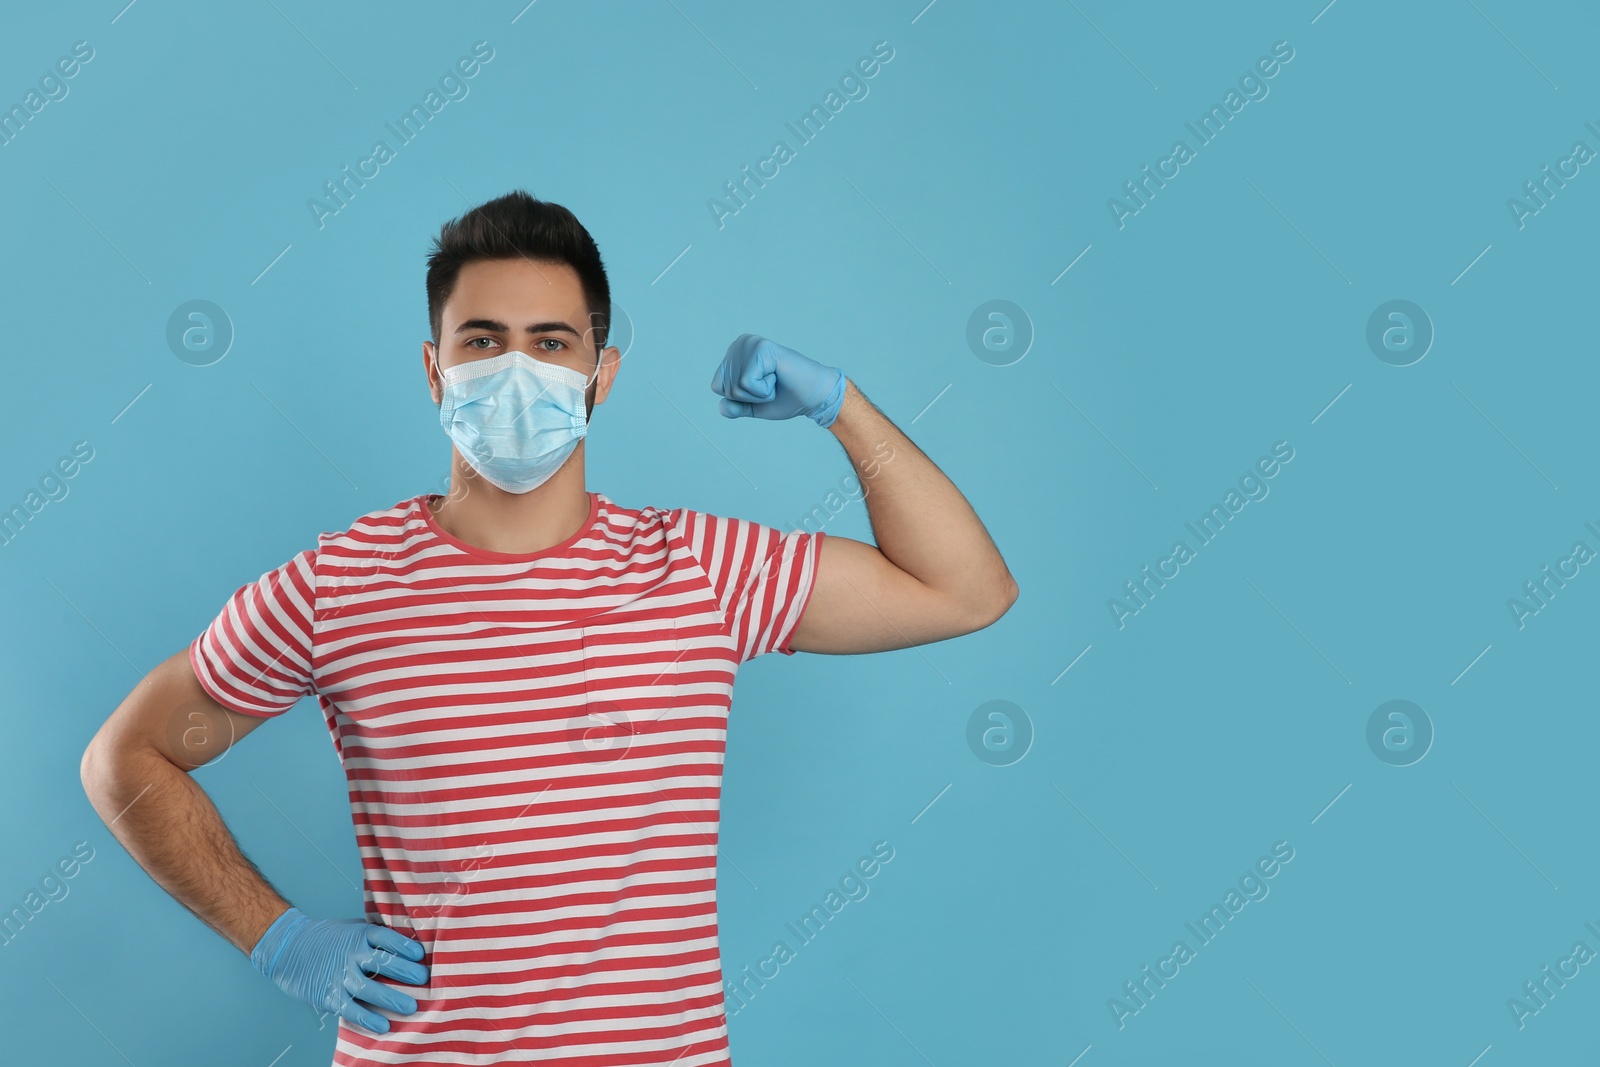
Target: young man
[(528, 687)]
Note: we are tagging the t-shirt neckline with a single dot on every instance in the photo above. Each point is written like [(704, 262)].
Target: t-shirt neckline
[(589, 525)]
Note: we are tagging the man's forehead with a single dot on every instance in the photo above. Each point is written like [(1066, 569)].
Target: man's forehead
[(516, 305), (519, 270), (515, 315)]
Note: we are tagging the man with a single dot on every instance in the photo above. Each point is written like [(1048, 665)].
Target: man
[(528, 685)]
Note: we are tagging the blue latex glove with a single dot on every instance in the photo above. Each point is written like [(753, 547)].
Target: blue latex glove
[(763, 379), (326, 964)]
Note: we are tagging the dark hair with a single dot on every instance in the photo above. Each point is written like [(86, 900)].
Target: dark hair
[(514, 225)]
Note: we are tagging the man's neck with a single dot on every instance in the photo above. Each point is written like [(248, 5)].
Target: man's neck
[(497, 521)]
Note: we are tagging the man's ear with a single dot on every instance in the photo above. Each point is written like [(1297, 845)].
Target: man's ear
[(428, 372), (610, 363)]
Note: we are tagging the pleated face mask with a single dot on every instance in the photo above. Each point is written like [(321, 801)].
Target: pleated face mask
[(514, 419)]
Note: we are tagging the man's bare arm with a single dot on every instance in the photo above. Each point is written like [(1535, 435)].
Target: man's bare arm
[(934, 573), (136, 774)]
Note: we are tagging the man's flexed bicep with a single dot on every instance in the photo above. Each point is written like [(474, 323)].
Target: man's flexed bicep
[(862, 602)]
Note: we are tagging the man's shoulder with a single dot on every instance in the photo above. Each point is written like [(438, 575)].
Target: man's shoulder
[(375, 530), (645, 528), (622, 524)]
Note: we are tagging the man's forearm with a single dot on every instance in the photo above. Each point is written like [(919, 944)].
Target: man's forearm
[(920, 520), (170, 826)]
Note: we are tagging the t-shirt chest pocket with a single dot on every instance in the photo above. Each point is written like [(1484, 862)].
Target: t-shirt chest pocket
[(644, 670)]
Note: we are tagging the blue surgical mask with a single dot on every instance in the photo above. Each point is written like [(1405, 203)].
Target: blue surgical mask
[(514, 418)]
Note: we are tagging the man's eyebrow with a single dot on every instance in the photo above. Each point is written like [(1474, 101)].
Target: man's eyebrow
[(495, 326)]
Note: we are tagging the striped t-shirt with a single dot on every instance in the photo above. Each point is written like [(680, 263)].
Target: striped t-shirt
[(533, 746)]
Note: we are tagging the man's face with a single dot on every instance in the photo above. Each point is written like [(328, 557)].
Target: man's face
[(520, 305)]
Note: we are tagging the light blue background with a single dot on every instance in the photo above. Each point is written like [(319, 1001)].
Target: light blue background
[(1225, 316)]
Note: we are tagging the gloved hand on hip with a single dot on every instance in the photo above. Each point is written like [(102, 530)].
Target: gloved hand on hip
[(764, 380), (327, 963)]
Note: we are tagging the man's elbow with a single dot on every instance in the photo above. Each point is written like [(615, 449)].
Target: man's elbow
[(990, 610), (1008, 597), (92, 767), (102, 766)]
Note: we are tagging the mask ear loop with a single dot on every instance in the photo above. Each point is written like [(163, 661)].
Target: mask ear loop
[(590, 379), (599, 361)]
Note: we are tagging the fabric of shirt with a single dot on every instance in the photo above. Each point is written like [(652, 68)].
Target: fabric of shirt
[(533, 745)]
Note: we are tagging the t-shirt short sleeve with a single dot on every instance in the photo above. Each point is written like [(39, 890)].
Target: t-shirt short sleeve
[(762, 577), (255, 657)]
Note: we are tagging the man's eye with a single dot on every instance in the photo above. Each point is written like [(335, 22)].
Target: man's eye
[(474, 342), (555, 340)]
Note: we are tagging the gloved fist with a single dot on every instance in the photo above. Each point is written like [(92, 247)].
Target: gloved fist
[(761, 378), (326, 963)]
